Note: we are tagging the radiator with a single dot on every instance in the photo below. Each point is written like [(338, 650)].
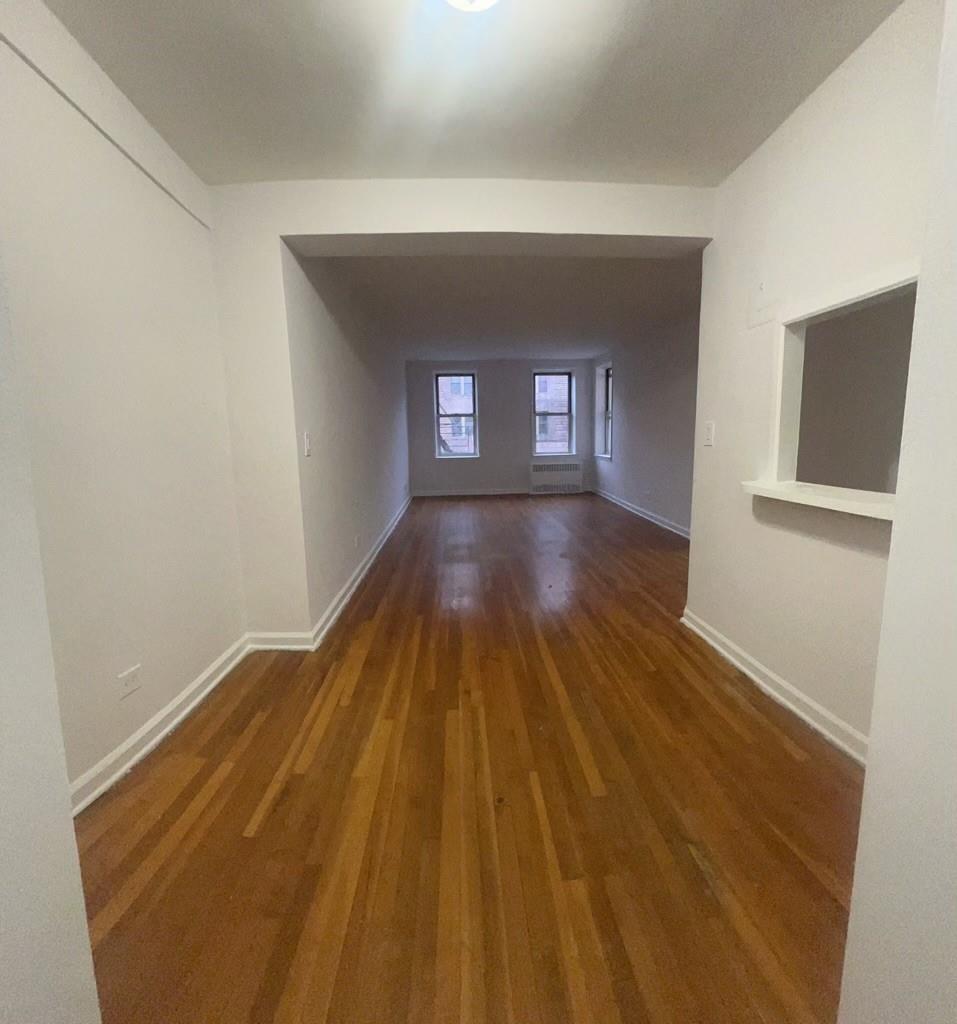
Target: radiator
[(555, 478)]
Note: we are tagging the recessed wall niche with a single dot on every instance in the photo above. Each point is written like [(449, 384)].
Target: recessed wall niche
[(842, 365), (852, 394)]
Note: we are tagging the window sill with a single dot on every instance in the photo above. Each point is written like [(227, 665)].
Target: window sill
[(554, 455), (602, 455), (871, 504), (443, 458)]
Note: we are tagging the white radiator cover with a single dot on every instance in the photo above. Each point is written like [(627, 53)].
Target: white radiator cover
[(555, 477)]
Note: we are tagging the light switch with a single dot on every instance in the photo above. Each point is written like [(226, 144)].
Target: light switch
[(307, 444), (709, 434)]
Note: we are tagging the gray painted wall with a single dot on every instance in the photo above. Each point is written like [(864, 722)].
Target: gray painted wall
[(852, 399), (653, 422), (504, 424), (349, 396)]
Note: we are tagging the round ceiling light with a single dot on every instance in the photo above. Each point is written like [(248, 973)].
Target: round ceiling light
[(471, 5)]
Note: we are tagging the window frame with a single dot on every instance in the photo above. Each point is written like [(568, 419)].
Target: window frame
[(604, 410), (437, 416), (570, 414)]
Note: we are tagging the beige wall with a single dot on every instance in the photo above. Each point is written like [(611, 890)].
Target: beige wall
[(505, 425), (46, 971), (349, 392), (901, 962), (112, 301), (653, 410), (837, 193)]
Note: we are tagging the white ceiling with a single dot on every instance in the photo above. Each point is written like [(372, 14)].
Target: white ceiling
[(654, 91), (492, 307)]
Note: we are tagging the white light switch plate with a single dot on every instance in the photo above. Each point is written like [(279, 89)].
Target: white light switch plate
[(709, 434)]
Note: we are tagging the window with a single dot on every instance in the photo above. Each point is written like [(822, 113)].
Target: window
[(554, 395), (456, 421), (603, 410)]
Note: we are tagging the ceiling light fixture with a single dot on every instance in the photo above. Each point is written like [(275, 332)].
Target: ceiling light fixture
[(473, 6)]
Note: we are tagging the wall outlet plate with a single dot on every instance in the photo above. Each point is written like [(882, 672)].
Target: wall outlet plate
[(129, 681)]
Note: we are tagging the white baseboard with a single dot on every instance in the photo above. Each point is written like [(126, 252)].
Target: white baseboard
[(341, 599), (832, 728), (117, 763), (652, 517), (279, 641), (472, 492)]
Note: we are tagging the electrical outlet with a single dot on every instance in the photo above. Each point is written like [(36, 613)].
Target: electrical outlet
[(129, 681), (307, 444), (709, 434)]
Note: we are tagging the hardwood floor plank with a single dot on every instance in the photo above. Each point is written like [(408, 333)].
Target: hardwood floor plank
[(312, 973), (571, 961), (136, 882), (448, 959), (509, 788), (585, 756), (492, 888)]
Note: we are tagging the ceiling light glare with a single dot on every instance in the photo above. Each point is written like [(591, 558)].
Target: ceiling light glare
[(473, 6)]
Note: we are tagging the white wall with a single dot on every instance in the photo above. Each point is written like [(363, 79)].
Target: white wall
[(350, 395), (504, 423), (46, 970), (655, 378), (29, 28), (112, 303), (837, 193), (901, 962), (250, 220)]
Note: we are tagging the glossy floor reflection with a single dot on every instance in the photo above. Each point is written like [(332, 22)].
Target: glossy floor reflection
[(510, 786)]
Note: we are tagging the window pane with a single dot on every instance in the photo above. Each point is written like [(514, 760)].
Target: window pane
[(551, 435), (455, 394), (551, 392), (456, 435)]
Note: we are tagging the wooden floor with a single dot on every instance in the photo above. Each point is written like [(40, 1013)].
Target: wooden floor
[(508, 787)]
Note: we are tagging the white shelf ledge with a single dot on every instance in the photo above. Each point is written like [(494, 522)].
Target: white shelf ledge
[(873, 504)]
